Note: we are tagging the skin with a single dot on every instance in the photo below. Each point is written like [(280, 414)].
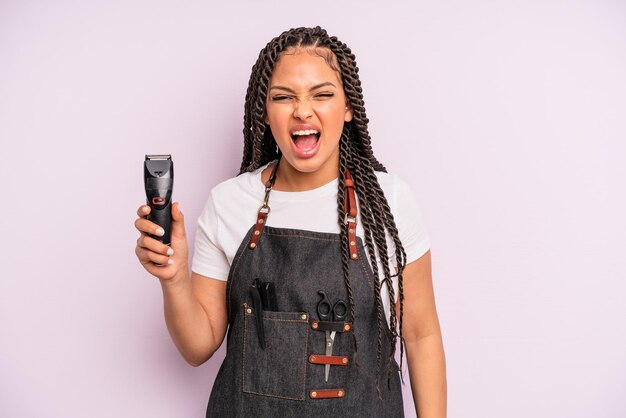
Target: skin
[(195, 305), (422, 336), (304, 89)]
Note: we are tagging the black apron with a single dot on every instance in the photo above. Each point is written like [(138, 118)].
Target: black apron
[(286, 378)]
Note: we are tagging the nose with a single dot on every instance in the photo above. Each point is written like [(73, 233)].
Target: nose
[(303, 110)]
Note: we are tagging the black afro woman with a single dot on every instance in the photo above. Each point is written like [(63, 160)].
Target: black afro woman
[(313, 258)]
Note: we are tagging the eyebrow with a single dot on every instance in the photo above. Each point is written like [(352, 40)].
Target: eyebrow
[(315, 87)]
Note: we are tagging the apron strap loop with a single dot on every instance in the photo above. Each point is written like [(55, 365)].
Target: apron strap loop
[(351, 212), (264, 210)]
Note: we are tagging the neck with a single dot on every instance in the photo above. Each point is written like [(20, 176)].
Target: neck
[(289, 179)]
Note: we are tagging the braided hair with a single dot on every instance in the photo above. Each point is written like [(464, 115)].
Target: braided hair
[(355, 153)]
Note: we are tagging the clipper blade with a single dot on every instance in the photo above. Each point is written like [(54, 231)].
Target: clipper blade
[(158, 157)]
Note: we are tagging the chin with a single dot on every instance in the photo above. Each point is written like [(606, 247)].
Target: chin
[(304, 165)]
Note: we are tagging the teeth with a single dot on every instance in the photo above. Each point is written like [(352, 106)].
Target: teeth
[(305, 132)]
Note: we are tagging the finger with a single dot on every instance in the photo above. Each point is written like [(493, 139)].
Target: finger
[(178, 221), (143, 211), (146, 256), (154, 245), (148, 227), (142, 255)]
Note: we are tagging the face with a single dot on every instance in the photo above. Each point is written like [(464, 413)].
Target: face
[(306, 109)]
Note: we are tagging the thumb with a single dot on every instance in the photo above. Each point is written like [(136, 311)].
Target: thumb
[(178, 220)]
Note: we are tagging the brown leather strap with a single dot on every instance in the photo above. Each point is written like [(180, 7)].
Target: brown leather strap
[(351, 212), (349, 206), (258, 228), (327, 393), (332, 360), (264, 210), (331, 326)]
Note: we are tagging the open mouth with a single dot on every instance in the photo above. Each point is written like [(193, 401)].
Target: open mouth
[(305, 139)]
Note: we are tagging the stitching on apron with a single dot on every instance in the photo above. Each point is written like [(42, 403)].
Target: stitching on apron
[(367, 275), (282, 320), (300, 236), (243, 354), (243, 363), (306, 350), (274, 396), (233, 275)]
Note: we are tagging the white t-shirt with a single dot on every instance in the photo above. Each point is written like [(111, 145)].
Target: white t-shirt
[(232, 206)]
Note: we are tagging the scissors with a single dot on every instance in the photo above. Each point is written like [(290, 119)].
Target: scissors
[(328, 312)]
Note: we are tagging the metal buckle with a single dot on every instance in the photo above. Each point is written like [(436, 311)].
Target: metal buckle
[(264, 208), (267, 197), (349, 219)]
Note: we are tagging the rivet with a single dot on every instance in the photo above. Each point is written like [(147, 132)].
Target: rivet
[(303, 316), (340, 393), (248, 310), (314, 325), (351, 231), (257, 232), (313, 358), (346, 327), (354, 255), (344, 360), (252, 245), (351, 242), (313, 394), (260, 221)]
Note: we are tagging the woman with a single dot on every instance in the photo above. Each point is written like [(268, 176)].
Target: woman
[(280, 260)]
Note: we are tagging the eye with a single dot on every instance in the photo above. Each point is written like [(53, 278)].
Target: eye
[(281, 98), (324, 95)]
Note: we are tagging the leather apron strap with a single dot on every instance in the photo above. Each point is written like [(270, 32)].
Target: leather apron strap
[(349, 207)]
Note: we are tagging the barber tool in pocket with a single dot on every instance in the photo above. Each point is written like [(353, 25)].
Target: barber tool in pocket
[(263, 299), (330, 313), (279, 370)]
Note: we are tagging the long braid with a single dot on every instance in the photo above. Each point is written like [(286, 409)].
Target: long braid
[(401, 263), (369, 227), (343, 233), (364, 155), (355, 153), (400, 254), (370, 182)]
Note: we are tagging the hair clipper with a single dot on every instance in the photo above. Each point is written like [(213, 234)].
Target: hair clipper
[(158, 174)]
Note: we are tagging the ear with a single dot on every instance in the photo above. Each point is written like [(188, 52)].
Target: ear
[(348, 115)]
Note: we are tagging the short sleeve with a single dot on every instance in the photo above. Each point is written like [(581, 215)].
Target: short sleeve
[(410, 222), (209, 259)]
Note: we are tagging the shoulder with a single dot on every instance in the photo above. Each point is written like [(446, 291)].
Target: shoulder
[(233, 201), (394, 187), (407, 213), (232, 185), (241, 186)]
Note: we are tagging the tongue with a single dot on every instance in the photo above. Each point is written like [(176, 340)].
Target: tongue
[(306, 142)]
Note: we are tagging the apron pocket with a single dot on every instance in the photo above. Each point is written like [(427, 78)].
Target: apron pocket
[(279, 370)]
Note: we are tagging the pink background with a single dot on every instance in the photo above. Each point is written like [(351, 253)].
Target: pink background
[(507, 118)]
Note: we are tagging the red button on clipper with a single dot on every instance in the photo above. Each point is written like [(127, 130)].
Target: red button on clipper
[(158, 200)]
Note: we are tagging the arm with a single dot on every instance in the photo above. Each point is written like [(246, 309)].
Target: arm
[(195, 308), (422, 336), (196, 316)]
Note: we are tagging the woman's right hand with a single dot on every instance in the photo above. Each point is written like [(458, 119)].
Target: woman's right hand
[(194, 307), (165, 262)]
